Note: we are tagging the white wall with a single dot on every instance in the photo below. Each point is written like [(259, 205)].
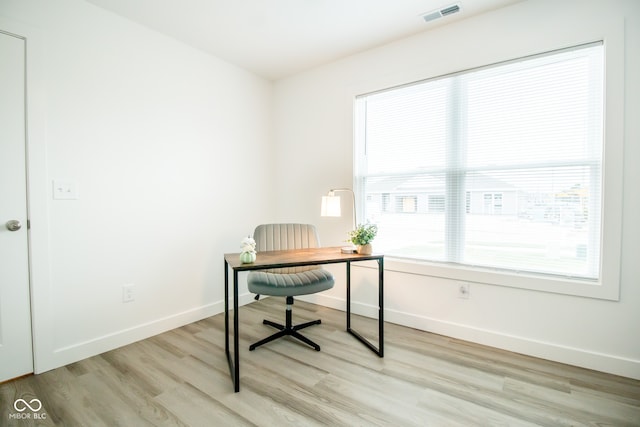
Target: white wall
[(168, 146), (313, 132)]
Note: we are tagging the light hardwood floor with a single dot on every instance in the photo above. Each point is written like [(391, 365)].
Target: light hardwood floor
[(181, 378)]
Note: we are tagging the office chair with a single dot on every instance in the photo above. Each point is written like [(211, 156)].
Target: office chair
[(288, 282)]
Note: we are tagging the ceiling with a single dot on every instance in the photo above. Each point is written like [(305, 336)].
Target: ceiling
[(278, 38)]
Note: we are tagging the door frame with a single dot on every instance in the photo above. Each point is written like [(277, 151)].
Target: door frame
[(38, 195)]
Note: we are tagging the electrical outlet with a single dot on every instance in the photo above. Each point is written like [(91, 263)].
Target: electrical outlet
[(463, 290), (127, 293)]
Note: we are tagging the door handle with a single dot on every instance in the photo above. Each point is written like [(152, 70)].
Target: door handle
[(13, 225)]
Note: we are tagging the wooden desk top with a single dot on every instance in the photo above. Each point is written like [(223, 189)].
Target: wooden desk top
[(296, 257)]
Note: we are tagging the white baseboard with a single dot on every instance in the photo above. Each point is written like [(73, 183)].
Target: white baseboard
[(82, 350), (573, 356), (612, 364)]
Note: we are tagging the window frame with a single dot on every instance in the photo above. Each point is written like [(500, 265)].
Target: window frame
[(608, 285)]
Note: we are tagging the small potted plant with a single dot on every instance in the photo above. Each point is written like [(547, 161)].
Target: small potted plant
[(362, 237)]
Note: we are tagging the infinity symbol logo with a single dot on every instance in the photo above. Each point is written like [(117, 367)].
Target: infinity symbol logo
[(21, 405)]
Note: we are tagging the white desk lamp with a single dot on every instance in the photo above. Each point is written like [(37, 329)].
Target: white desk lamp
[(331, 207)]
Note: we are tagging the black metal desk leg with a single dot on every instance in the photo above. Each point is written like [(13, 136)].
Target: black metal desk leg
[(234, 365), (348, 295), (381, 307), (363, 340), (226, 308), (236, 338)]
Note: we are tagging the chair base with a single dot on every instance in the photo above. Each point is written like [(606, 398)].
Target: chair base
[(288, 329)]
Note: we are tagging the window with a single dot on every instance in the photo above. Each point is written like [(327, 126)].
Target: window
[(507, 158), (436, 203), (492, 203), (408, 204)]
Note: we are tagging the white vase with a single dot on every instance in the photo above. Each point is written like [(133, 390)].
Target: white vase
[(364, 249)]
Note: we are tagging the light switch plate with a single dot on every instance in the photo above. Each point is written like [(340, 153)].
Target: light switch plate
[(65, 190)]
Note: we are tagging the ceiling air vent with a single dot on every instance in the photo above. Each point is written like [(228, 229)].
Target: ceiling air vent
[(445, 11)]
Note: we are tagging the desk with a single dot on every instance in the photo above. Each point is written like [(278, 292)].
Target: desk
[(295, 258)]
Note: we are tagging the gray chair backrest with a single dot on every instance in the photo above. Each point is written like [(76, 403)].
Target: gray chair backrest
[(279, 237), (276, 237)]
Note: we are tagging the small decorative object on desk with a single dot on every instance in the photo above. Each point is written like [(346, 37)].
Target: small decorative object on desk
[(362, 237), (248, 254)]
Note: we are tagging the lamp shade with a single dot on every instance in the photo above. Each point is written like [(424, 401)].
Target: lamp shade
[(330, 206)]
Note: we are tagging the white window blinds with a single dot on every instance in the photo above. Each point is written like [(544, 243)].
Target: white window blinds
[(496, 167)]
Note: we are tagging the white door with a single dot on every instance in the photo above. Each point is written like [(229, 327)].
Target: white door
[(16, 355)]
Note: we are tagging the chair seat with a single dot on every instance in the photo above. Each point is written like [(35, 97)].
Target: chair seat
[(302, 283)]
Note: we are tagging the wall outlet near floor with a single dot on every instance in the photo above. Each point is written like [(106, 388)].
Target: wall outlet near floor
[(127, 293), (463, 290)]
